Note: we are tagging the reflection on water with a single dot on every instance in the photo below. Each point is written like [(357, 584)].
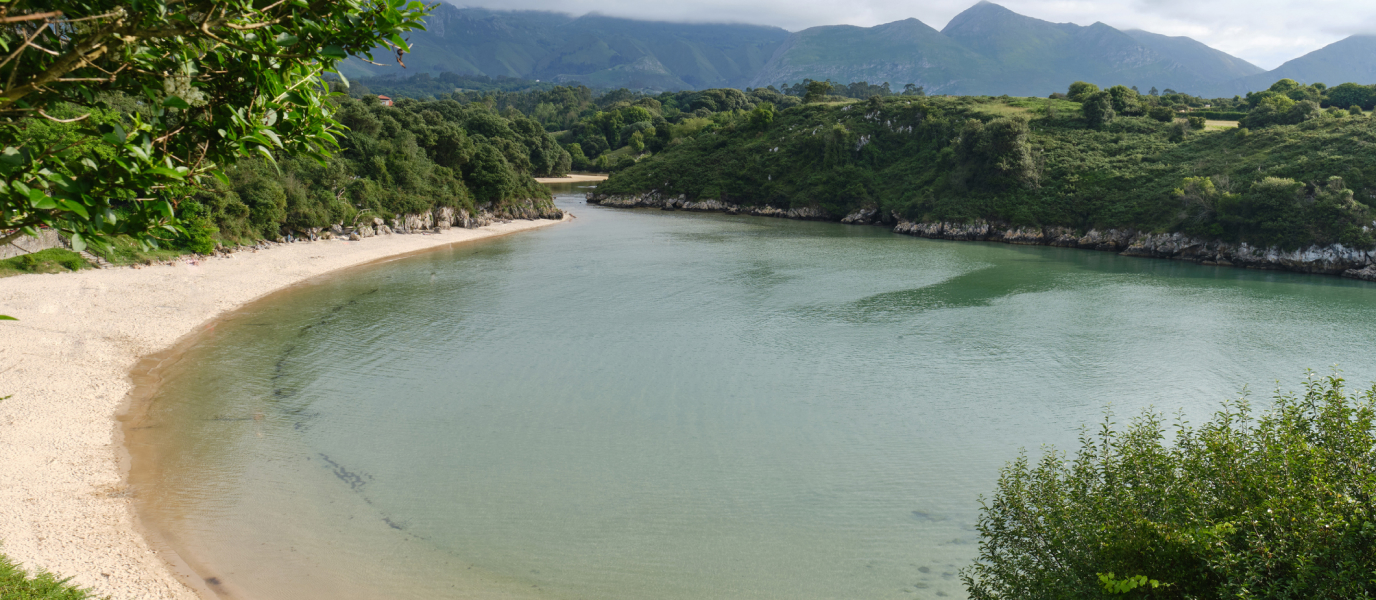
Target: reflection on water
[(641, 404)]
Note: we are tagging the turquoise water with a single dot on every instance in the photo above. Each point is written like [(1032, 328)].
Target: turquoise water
[(642, 404)]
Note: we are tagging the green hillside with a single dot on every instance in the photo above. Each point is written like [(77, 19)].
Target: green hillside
[(1208, 63), (595, 50), (900, 53), (1035, 162)]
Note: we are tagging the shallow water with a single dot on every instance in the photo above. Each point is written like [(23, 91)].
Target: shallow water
[(642, 404)]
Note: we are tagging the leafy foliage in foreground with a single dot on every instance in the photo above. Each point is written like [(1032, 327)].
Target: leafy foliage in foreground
[(15, 584), (1034, 162), (216, 80), (1279, 505)]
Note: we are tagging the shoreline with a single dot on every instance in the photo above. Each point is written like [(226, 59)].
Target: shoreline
[(1335, 260), (571, 178), (72, 363)]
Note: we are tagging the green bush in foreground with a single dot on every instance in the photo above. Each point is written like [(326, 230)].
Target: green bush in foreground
[(15, 584), (1272, 506)]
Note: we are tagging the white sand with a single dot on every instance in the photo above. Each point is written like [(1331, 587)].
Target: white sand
[(63, 502), (574, 178)]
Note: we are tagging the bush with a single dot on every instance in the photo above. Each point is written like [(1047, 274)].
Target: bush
[(1277, 505), (52, 260), (15, 583), (200, 229), (1081, 90), (1197, 122), (1098, 109), (1163, 114)]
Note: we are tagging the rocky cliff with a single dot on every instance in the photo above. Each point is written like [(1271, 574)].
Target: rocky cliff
[(1329, 260)]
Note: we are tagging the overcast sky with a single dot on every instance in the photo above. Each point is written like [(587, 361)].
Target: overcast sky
[(1264, 32)]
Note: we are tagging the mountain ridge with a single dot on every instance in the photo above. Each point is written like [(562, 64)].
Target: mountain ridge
[(985, 50)]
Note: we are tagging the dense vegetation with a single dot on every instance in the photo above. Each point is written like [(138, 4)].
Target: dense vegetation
[(423, 86), (1277, 505), (1116, 158), (395, 160)]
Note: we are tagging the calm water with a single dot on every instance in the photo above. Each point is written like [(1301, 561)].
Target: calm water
[(643, 404)]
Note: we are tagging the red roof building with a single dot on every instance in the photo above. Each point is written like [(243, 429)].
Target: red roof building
[(384, 100)]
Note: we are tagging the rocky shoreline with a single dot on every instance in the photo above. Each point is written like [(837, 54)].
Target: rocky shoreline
[(1327, 260), (436, 220)]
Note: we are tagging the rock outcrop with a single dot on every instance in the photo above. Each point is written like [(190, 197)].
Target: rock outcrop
[(660, 201), (1330, 260)]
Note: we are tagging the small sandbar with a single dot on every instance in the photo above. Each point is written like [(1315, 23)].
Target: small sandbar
[(575, 178)]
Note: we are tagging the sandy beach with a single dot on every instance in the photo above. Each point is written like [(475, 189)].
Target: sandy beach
[(64, 504), (575, 178)]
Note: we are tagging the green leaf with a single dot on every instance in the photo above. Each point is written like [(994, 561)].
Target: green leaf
[(6, 317), (74, 207), (78, 242), (334, 51), (41, 201), (287, 39), (166, 172), (175, 102), (113, 133)]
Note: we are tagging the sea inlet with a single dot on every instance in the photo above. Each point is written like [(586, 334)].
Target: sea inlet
[(644, 404)]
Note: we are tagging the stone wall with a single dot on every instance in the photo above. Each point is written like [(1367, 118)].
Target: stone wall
[(24, 244)]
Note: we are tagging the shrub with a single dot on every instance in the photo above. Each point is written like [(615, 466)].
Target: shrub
[(1098, 109), (1163, 114), (200, 229), (1276, 505), (1197, 122), (1081, 90)]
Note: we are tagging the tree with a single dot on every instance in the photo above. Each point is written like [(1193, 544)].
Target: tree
[(1098, 109), (1081, 90), (817, 91), (1125, 101), (1275, 505), (763, 115), (913, 89), (1351, 94), (1163, 114), (1153, 92), (152, 98)]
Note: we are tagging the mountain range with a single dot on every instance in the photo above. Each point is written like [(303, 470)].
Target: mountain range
[(986, 50)]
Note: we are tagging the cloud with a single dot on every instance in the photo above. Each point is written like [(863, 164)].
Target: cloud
[(1264, 32)]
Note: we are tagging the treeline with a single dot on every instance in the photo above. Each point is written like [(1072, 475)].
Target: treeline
[(608, 130), (424, 86), (1286, 102), (409, 158), (1103, 162)]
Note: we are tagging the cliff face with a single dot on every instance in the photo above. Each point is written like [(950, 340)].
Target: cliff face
[(1329, 260)]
